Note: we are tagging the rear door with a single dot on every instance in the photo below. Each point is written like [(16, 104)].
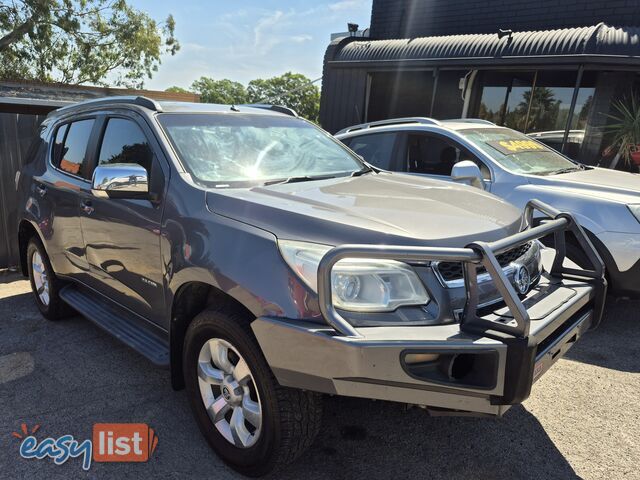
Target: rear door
[(122, 236), (57, 195)]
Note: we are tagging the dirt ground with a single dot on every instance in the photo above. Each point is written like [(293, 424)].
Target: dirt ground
[(581, 421)]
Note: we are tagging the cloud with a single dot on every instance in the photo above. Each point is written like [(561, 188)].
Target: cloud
[(300, 38), (253, 41), (265, 32), (345, 5)]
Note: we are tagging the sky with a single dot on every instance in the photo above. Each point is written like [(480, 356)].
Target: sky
[(246, 39)]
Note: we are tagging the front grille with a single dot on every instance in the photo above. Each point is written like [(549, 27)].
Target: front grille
[(453, 270)]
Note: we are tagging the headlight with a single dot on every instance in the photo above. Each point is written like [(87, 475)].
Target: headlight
[(362, 285), (635, 210)]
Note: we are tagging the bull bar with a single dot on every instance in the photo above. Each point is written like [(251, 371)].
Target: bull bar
[(473, 256)]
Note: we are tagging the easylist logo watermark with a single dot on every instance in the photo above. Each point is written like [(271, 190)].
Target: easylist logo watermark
[(111, 442)]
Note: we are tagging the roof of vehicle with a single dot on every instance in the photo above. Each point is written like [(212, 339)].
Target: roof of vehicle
[(452, 124), (173, 107)]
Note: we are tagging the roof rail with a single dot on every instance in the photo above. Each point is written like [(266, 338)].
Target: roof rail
[(145, 102), (391, 121), (273, 108), (481, 121)]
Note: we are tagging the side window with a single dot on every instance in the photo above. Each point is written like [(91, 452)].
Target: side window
[(124, 142), (437, 156), (377, 148), (69, 154), (430, 155), (58, 144)]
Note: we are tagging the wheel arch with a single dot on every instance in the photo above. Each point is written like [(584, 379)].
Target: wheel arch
[(26, 230), (190, 299)]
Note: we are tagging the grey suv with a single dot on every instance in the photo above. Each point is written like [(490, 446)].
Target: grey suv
[(263, 263)]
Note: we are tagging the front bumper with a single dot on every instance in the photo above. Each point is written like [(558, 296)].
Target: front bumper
[(484, 364)]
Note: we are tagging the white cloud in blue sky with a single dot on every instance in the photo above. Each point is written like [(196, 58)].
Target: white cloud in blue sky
[(243, 40)]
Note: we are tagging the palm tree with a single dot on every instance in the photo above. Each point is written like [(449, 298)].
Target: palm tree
[(626, 128)]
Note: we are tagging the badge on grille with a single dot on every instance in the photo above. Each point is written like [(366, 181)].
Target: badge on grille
[(521, 279)]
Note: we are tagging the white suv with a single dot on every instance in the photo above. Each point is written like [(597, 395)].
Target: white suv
[(517, 168)]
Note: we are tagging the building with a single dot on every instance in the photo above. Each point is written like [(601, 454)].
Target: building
[(23, 106), (549, 68)]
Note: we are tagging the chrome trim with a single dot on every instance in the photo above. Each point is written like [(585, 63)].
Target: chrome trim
[(119, 178), (508, 270)]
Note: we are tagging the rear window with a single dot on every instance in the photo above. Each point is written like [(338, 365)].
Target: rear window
[(70, 146)]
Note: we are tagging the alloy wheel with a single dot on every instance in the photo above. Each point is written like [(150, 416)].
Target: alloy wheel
[(40, 278), (229, 393)]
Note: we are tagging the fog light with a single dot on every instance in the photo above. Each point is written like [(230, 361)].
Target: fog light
[(413, 358)]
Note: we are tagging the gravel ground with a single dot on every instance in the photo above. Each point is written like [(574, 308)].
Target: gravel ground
[(581, 421)]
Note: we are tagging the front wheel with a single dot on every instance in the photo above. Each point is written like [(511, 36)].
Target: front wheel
[(254, 424)]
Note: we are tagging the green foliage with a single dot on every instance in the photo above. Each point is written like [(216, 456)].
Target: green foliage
[(176, 89), (82, 41), (223, 91), (292, 90), (625, 129)]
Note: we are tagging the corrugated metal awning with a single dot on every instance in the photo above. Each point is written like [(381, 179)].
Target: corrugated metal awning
[(599, 43)]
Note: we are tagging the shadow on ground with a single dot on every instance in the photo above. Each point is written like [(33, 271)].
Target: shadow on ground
[(615, 344), (364, 439), (83, 376)]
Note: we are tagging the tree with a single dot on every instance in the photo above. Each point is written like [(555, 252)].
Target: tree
[(292, 90), (545, 109), (176, 89), (82, 41), (223, 91)]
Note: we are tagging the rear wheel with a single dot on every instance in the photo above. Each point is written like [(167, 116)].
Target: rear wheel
[(254, 424), (44, 283)]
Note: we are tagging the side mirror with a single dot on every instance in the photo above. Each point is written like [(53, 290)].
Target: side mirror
[(467, 171), (120, 180)]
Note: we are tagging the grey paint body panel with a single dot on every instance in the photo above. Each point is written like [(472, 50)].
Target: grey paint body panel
[(227, 239)]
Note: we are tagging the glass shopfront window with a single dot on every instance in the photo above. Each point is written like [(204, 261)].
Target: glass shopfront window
[(538, 104)]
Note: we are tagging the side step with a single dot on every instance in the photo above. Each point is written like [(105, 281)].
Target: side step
[(127, 327)]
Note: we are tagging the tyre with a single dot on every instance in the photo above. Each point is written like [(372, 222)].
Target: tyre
[(44, 283), (252, 423)]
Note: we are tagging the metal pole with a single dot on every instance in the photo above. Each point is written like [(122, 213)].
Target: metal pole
[(434, 91), (574, 98)]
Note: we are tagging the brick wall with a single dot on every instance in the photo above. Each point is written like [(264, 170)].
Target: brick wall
[(421, 18)]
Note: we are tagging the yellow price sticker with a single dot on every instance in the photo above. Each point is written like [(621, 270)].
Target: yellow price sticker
[(516, 146)]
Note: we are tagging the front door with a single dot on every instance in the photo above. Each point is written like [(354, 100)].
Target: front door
[(435, 155), (122, 236)]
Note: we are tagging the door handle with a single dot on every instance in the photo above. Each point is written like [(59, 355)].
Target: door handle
[(87, 207), (41, 189)]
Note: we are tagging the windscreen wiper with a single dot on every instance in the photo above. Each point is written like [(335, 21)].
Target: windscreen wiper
[(301, 178), (564, 170), (357, 173)]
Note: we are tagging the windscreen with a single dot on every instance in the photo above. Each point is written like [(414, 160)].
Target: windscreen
[(232, 149), (517, 152)]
